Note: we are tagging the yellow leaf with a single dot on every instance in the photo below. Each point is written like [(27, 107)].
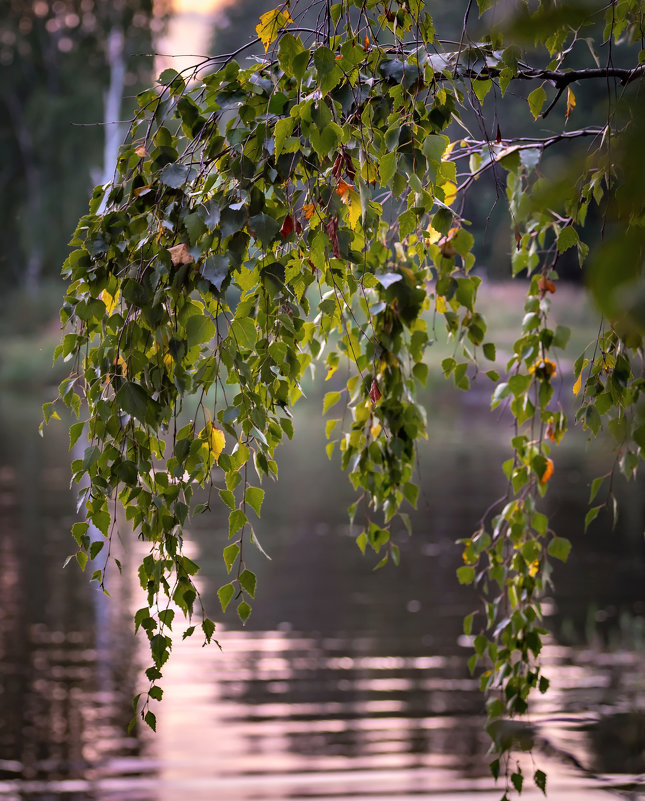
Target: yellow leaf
[(214, 438), (375, 430), (331, 371), (353, 201), (577, 385), (369, 172), (448, 150), (571, 101), (450, 192), (441, 304), (270, 26), (109, 300), (433, 235)]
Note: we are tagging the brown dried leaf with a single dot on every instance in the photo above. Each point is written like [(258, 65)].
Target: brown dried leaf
[(180, 254)]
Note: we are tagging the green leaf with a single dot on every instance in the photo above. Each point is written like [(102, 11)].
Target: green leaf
[(166, 617), (95, 548), (420, 372), (466, 574), (264, 228), (244, 611), (411, 493), (592, 514), (539, 777), (329, 400), (567, 238), (230, 554), (596, 484), (168, 76), (248, 582), (329, 73), (195, 226), (236, 520), (175, 175), (225, 595), (536, 100), (482, 88), (75, 431), (434, 146), (232, 220), (489, 351), (199, 330), (283, 129), (128, 473), (133, 399), (79, 531), (254, 497), (292, 56), (244, 332), (156, 693), (216, 269), (151, 720), (228, 497), (387, 167), (562, 336), (208, 627), (559, 548)]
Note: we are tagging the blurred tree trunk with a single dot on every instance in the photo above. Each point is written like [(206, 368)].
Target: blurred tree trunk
[(34, 189), (113, 101)]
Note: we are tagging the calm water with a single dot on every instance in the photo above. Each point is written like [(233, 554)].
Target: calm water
[(345, 683)]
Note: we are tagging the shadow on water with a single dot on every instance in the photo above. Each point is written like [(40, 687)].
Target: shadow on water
[(345, 683)]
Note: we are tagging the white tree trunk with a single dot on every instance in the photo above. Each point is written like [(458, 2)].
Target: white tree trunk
[(112, 106)]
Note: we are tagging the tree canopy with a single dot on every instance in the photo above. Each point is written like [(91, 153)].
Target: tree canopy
[(309, 205)]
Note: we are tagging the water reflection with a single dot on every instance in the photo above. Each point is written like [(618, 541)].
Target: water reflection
[(345, 684)]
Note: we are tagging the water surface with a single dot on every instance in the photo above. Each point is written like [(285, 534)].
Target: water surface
[(345, 683)]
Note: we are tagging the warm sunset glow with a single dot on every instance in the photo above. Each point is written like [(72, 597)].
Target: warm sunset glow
[(189, 32), (198, 6)]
